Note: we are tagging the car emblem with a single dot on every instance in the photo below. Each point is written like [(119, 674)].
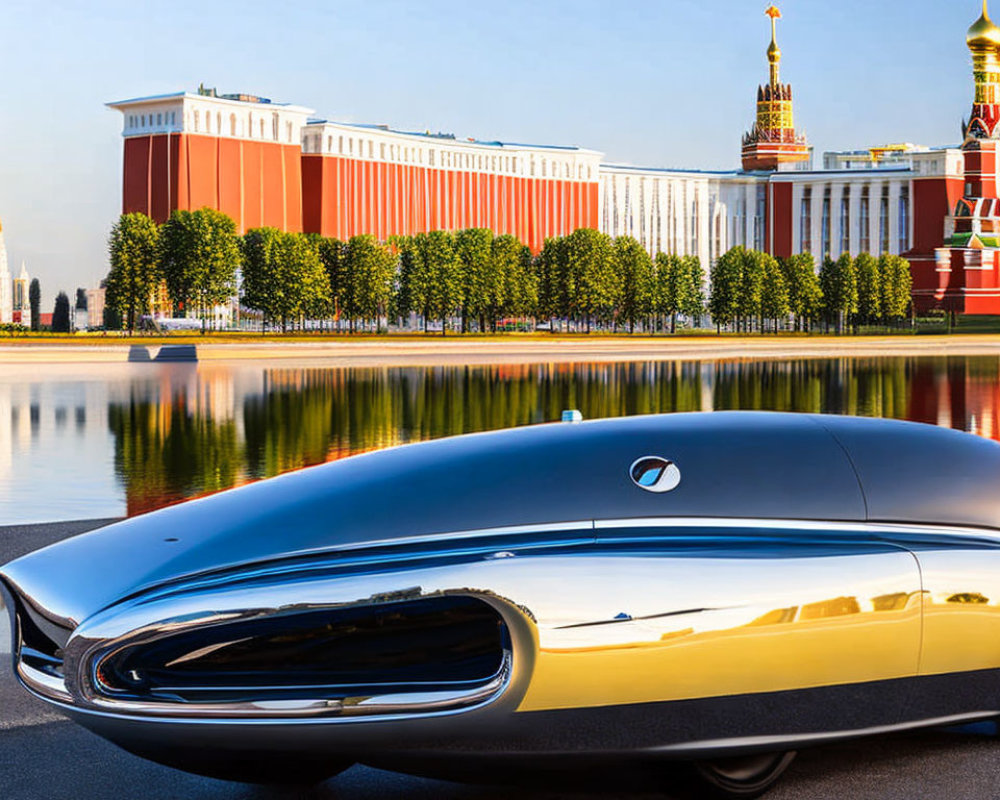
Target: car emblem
[(655, 474)]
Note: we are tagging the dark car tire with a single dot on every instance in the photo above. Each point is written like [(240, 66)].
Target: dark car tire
[(743, 777)]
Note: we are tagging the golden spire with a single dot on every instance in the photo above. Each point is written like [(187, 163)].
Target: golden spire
[(983, 35), (773, 51)]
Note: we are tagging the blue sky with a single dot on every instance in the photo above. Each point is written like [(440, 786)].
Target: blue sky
[(663, 83)]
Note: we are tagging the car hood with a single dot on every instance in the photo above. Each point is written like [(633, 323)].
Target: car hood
[(751, 465)]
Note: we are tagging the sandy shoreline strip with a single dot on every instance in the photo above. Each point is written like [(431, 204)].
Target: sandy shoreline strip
[(371, 352)]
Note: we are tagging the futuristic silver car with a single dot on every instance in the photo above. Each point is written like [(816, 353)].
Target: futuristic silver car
[(714, 588)]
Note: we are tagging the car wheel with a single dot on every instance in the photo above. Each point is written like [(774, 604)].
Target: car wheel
[(743, 776)]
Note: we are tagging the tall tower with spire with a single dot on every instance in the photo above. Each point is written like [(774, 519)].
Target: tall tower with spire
[(773, 140), (966, 275), (6, 301)]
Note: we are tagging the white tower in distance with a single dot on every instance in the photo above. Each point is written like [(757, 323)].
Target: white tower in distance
[(21, 301), (6, 300)]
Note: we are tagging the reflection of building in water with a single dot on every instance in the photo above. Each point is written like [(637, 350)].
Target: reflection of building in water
[(958, 393)]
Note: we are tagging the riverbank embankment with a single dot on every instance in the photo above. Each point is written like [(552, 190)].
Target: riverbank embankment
[(458, 351)]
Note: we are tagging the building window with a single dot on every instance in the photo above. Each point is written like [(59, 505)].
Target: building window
[(371, 149), (883, 221), (195, 122), (274, 126), (845, 222), (904, 219), (250, 125), (232, 124), (288, 126), (759, 217), (340, 145), (159, 119), (864, 223), (718, 235), (826, 222), (805, 221), (262, 128), (218, 122), (695, 222)]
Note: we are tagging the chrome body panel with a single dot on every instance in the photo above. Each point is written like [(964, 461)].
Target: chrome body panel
[(771, 598)]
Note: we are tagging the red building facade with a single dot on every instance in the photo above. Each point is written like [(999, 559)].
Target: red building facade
[(238, 154), (370, 179), (266, 164)]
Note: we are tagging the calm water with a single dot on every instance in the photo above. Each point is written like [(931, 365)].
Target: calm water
[(106, 440)]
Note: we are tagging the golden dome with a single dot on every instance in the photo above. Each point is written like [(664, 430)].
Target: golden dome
[(983, 35)]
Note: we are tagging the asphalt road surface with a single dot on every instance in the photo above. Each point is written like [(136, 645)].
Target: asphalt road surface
[(43, 757)]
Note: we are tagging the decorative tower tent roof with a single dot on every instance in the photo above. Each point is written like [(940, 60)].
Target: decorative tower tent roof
[(773, 140), (983, 40), (966, 275)]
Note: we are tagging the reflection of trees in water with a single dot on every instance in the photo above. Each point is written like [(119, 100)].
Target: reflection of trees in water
[(175, 447), (862, 387), (165, 453)]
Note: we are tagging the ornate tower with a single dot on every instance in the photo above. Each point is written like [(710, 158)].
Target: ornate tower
[(983, 40), (22, 306), (967, 267), (773, 140)]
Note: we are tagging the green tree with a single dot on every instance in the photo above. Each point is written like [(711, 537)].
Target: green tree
[(430, 277), (135, 266), (751, 292), (199, 255), (594, 286), (317, 295), (724, 302), (413, 288), (774, 301), (897, 287), (805, 297), (331, 254), (666, 300), (513, 263), (445, 273), (869, 278), (370, 268), (690, 297), (263, 286), (482, 285), (60, 314), (839, 282), (553, 280), (35, 302), (638, 281)]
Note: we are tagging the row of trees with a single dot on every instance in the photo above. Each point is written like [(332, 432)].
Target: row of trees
[(755, 291), (478, 279), (194, 253), (472, 275)]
